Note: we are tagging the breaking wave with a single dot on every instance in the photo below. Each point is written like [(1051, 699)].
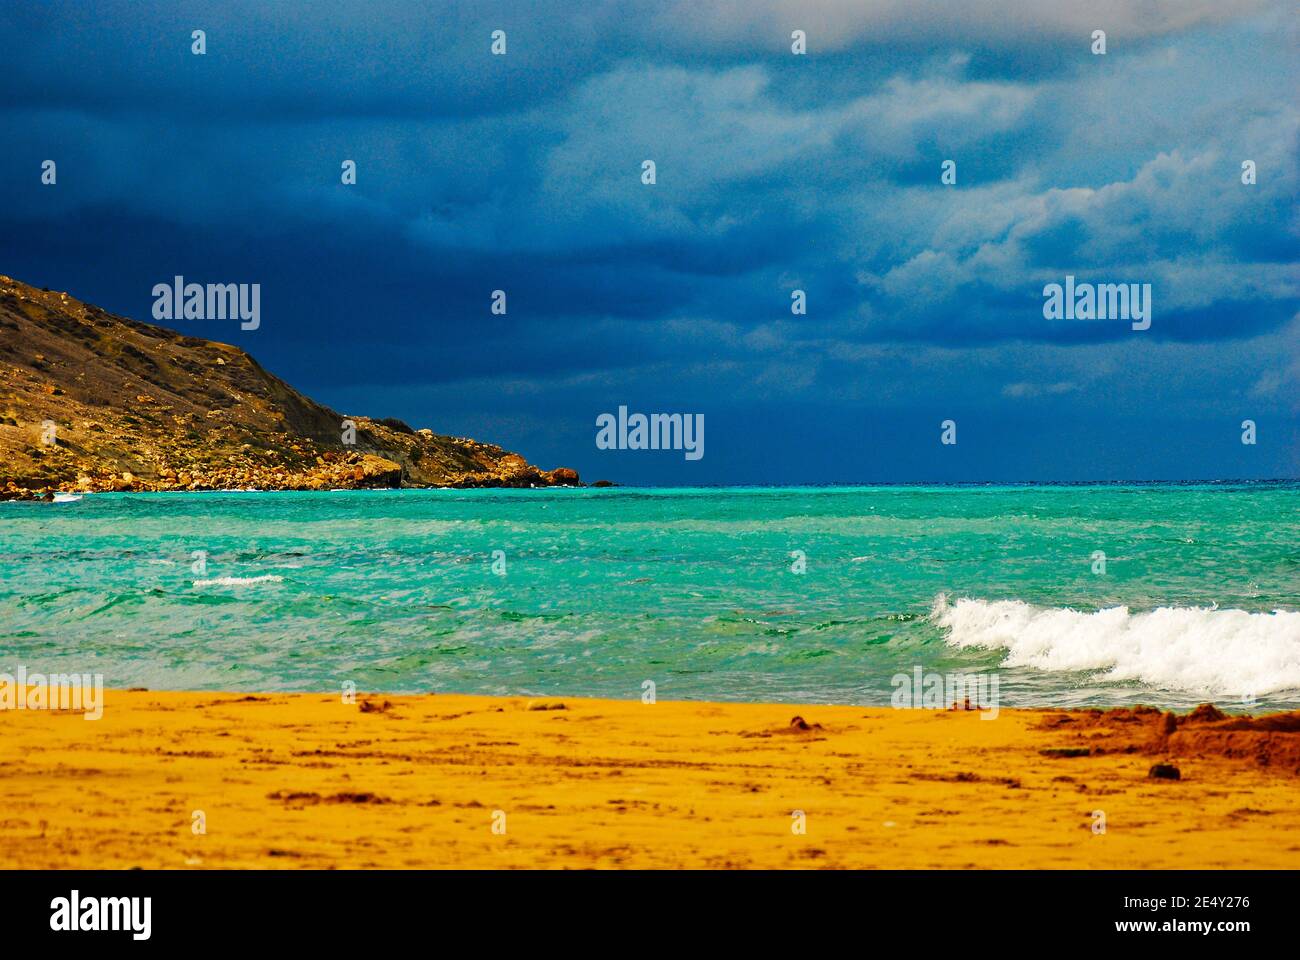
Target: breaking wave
[(238, 581), (1197, 650)]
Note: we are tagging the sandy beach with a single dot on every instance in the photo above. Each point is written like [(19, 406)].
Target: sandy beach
[(306, 780)]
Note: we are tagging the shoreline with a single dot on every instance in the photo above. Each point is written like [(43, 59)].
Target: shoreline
[(17, 492), (304, 780)]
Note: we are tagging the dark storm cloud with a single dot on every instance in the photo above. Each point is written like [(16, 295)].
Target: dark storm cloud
[(775, 172)]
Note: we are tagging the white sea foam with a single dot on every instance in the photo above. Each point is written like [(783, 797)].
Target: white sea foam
[(238, 581), (1198, 650)]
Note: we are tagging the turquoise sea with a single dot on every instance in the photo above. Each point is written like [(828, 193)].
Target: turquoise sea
[(595, 591)]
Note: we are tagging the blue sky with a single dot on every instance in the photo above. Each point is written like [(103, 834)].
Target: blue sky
[(774, 172)]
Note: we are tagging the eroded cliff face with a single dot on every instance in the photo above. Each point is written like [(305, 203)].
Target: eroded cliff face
[(90, 401)]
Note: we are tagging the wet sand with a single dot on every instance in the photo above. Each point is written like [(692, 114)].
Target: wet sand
[(305, 780)]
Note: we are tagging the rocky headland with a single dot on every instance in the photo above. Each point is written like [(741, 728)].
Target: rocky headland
[(93, 402)]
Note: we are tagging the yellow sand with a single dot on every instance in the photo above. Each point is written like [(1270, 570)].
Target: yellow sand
[(604, 784)]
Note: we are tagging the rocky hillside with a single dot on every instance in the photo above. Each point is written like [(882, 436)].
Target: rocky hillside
[(90, 401)]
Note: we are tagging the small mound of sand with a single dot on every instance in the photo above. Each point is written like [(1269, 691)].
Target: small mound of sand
[(1205, 713), (797, 725)]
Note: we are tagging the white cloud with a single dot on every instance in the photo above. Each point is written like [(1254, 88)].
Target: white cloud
[(838, 24)]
